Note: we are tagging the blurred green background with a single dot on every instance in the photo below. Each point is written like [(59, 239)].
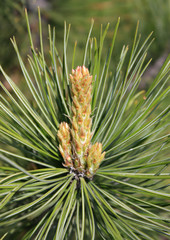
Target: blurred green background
[(154, 15)]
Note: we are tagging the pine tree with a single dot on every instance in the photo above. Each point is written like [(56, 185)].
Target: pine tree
[(87, 158)]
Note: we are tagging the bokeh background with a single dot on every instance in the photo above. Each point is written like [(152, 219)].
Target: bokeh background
[(153, 15)]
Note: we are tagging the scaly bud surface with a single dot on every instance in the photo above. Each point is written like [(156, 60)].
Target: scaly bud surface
[(75, 142), (65, 143), (94, 159), (81, 88)]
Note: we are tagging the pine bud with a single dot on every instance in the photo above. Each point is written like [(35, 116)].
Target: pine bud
[(65, 143), (94, 158), (75, 142)]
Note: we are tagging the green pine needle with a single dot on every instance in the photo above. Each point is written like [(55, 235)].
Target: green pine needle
[(128, 196)]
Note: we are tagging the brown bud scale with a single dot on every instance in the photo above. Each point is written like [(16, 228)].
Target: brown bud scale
[(75, 141)]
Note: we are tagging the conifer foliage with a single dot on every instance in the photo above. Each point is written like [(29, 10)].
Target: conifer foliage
[(86, 156)]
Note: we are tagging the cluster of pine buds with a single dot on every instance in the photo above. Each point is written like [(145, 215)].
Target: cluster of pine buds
[(75, 140)]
